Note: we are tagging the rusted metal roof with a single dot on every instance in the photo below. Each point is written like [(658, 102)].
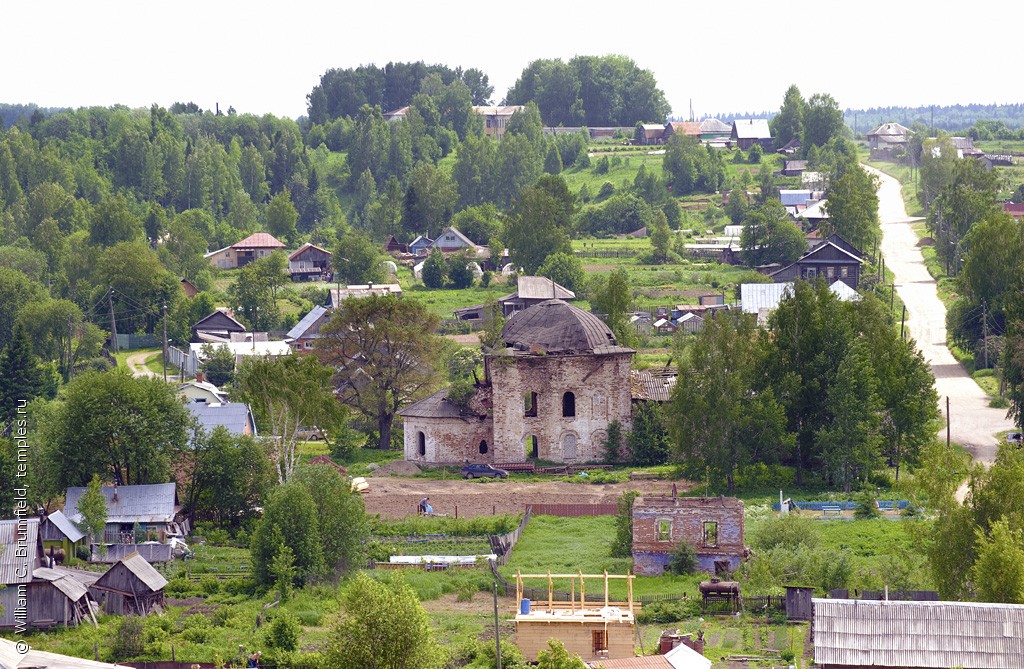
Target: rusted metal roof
[(646, 662), (858, 633), (555, 327), (15, 569), (259, 240)]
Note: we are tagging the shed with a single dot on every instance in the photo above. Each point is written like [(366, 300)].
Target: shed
[(798, 602), (58, 531), (55, 598), (17, 565), (131, 586), (917, 635)]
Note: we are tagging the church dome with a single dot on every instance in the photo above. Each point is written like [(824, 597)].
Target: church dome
[(553, 326)]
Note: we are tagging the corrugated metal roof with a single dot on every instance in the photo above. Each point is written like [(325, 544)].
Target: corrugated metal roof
[(918, 634), (791, 198), (757, 296), (646, 662), (64, 524), (15, 569), (151, 503), (713, 125), (11, 658), (752, 128), (541, 288), (234, 416), (554, 326), (141, 569), (305, 247), (889, 130), (306, 323), (72, 589)]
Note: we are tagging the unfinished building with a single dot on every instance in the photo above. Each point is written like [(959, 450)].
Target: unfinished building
[(712, 525), (550, 389), (593, 627)]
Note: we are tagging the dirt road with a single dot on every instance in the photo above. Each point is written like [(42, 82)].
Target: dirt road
[(973, 424), (136, 363), (396, 497)]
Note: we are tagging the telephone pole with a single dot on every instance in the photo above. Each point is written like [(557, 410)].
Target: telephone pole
[(71, 364), (984, 330), (113, 323)]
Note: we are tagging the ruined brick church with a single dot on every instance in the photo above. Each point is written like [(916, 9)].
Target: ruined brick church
[(550, 389)]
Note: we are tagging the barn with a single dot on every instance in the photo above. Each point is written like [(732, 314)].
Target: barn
[(132, 585)]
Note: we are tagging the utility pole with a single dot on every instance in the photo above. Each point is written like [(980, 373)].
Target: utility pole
[(947, 422), (71, 335), (497, 638), (903, 319), (165, 342), (984, 330), (113, 323), (892, 297)]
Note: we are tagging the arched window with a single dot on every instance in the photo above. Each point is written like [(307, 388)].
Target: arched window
[(421, 443), (483, 446), (568, 405)]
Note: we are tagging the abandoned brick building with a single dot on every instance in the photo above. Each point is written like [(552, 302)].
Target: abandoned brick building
[(712, 525), (550, 389)]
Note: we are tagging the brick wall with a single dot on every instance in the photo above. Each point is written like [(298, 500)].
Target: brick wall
[(600, 385), (687, 519), (450, 440)]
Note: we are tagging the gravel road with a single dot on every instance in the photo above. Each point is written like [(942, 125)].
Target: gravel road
[(973, 424)]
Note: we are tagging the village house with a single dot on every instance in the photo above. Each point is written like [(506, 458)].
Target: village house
[(850, 633), (309, 263), (218, 326), (551, 388), (35, 594), (749, 131), (152, 509), (235, 417), (188, 288), (833, 259), (763, 298), (240, 254), (712, 525), (201, 391), (650, 133), (496, 118), (307, 331), (336, 296), (420, 246)]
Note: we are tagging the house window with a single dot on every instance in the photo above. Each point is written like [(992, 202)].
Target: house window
[(664, 530), (600, 639), (421, 444), (710, 533), (830, 272), (844, 272), (530, 405), (483, 447), (568, 405), (810, 273)]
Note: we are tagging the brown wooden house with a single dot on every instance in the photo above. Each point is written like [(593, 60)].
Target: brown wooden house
[(712, 525), (131, 586), (217, 326), (834, 259), (310, 263)]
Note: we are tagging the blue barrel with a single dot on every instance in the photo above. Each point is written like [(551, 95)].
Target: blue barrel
[(524, 607)]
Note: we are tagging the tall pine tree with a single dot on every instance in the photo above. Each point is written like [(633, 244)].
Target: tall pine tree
[(20, 379)]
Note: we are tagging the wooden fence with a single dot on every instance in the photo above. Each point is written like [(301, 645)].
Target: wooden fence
[(502, 544), (573, 510)]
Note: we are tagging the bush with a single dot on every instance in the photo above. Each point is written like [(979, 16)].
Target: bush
[(283, 631), (179, 587), (867, 505), (662, 613), (602, 165), (129, 641), (683, 560), (197, 628), (785, 532), (607, 188), (208, 585)]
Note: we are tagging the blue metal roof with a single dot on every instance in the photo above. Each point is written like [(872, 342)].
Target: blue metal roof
[(232, 415)]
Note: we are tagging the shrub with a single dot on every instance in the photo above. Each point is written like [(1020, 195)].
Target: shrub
[(785, 532), (309, 617), (606, 190), (661, 613), (867, 505), (283, 631), (178, 587), (208, 585), (197, 628), (128, 638), (602, 165), (683, 559)]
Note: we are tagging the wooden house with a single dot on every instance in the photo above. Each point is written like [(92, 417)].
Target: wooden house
[(337, 296), (217, 326), (240, 254), (394, 247), (683, 129), (201, 391), (452, 241), (594, 627), (712, 525), (793, 168), (420, 246), (833, 259), (131, 586), (749, 131), (309, 263), (150, 510), (58, 532), (21, 553), (189, 288), (650, 133), (850, 633), (714, 131), (307, 331), (887, 136)]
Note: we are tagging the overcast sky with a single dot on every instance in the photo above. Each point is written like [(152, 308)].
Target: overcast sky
[(726, 57)]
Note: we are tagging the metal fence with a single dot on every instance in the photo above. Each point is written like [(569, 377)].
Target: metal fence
[(130, 341), (187, 363)]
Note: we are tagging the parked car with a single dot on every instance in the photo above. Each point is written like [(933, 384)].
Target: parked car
[(483, 471), (1013, 438), (309, 434)]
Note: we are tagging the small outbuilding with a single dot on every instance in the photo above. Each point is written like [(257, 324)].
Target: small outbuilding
[(58, 532), (712, 525), (132, 586)]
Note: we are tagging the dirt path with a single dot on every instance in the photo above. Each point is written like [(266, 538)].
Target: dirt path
[(396, 497), (973, 424), (136, 363)]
